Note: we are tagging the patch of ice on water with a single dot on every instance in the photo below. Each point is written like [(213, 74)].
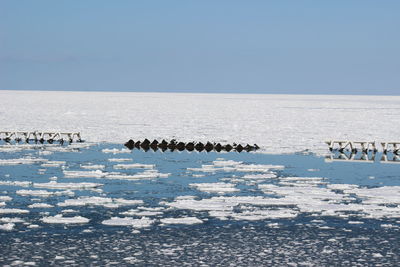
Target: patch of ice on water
[(53, 164), (33, 226), (59, 219), (225, 163), (182, 220), (259, 214), (260, 176), (128, 221), (137, 212), (219, 188), (134, 166), (5, 198), (44, 193), (71, 186), (100, 201), (16, 183), (115, 150), (341, 186), (148, 174), (25, 160), (13, 211), (119, 159), (7, 226), (40, 205), (93, 167), (11, 220), (85, 174)]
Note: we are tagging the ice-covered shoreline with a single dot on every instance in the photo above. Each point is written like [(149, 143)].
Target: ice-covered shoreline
[(278, 123)]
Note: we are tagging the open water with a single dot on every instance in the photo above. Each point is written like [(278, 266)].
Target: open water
[(101, 204)]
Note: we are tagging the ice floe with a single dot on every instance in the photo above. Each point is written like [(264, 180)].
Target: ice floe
[(7, 226), (128, 221), (59, 219), (93, 167), (84, 174), (53, 163), (11, 220), (44, 193), (5, 198), (40, 205), (16, 183), (182, 220), (115, 150), (25, 160), (148, 174), (219, 188), (120, 159), (100, 201), (13, 211), (134, 166), (71, 186)]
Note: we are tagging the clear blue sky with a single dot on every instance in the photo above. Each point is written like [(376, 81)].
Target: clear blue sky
[(248, 46)]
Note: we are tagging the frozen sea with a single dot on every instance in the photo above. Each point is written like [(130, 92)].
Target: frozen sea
[(294, 204)]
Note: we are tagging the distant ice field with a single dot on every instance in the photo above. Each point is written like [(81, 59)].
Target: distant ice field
[(278, 123)]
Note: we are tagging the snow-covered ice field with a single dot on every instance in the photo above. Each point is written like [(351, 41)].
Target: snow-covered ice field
[(279, 123)]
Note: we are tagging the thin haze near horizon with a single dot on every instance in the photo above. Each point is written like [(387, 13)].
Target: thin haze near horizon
[(286, 47)]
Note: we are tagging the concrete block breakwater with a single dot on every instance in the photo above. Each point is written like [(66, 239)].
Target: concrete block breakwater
[(41, 137), (189, 146), (342, 145)]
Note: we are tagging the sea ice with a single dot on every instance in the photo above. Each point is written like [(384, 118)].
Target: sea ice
[(59, 219), (127, 221), (182, 220)]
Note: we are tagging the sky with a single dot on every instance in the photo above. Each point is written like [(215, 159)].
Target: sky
[(204, 46)]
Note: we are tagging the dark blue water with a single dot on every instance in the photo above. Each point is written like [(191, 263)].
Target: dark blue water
[(305, 239)]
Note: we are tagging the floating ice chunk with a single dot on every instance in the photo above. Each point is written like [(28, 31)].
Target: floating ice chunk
[(93, 167), (44, 193), (85, 174), (341, 186), (256, 215), (258, 168), (2, 204), (53, 164), (16, 183), (33, 226), (40, 205), (204, 168), (148, 174), (116, 151), (7, 226), (99, 201), (11, 220), (68, 211), (134, 166), (136, 212), (65, 220), (355, 222), (26, 160), (183, 220), (127, 202), (119, 159), (219, 188), (128, 221), (45, 152), (13, 211), (260, 176), (224, 163), (72, 186), (5, 198)]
